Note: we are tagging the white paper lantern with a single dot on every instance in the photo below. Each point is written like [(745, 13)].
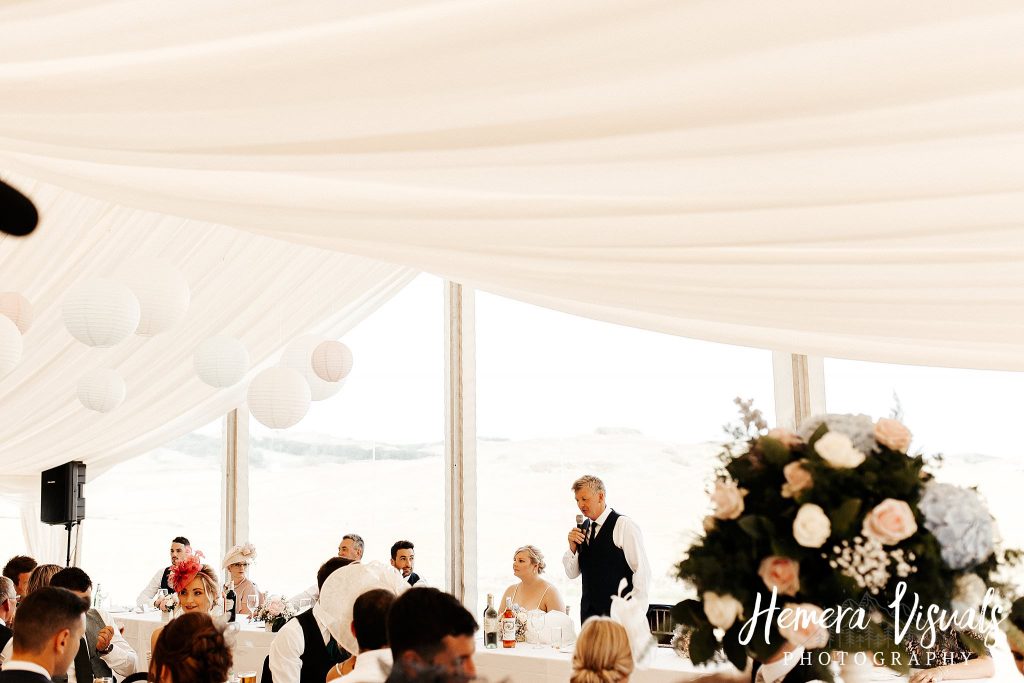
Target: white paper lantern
[(332, 361), (17, 308), (163, 295), (221, 361), (100, 312), (279, 397), (10, 346), (101, 390), (298, 355)]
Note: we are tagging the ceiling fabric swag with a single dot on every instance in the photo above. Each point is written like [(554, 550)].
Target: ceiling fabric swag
[(843, 179), (259, 290)]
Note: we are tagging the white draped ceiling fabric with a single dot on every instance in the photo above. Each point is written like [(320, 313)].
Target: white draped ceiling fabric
[(841, 179), (260, 290)]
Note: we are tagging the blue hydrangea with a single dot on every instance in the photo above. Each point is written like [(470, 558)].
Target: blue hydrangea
[(958, 518), (860, 429)]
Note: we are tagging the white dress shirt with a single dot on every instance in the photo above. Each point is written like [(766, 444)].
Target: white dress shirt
[(19, 665), (149, 592), (122, 660), (313, 593), (287, 647), (625, 535), (777, 670), (8, 651), (371, 667)]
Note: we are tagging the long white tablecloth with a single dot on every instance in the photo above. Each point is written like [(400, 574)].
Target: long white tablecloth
[(251, 642), (526, 664)]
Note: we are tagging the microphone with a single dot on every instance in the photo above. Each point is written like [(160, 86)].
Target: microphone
[(582, 523)]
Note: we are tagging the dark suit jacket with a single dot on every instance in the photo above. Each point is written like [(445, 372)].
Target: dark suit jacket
[(22, 677)]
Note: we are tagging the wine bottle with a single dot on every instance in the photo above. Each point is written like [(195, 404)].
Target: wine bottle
[(229, 602), (508, 625), (490, 624)]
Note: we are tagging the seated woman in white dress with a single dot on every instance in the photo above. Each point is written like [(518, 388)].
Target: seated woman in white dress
[(532, 592), (196, 586), (237, 563)]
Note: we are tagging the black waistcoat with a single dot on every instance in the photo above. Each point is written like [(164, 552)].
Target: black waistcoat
[(163, 581), (603, 565), (315, 660)]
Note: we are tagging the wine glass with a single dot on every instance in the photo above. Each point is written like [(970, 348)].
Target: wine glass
[(161, 596), (252, 601), (304, 604), (536, 619)]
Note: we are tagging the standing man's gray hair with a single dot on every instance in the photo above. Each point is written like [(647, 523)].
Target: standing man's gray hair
[(595, 484)]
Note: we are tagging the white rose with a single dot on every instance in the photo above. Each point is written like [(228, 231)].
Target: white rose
[(892, 434), (811, 528), (968, 592), (804, 626), (722, 610), (838, 451), (728, 500)]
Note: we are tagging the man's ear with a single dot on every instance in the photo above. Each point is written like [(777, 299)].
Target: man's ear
[(61, 640), (412, 661), (352, 627)]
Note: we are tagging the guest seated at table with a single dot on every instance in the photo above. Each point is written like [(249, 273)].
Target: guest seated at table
[(49, 630), (8, 606), (602, 653), (403, 558), (104, 649), (303, 651), (949, 658), (350, 548), (191, 649), (532, 592), (369, 626), (41, 576), (180, 549), (431, 637), (237, 563), (19, 569), (196, 586)]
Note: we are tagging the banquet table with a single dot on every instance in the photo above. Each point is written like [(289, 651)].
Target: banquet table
[(251, 642), (527, 664)]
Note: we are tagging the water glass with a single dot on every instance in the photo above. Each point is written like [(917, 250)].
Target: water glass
[(556, 637), (536, 619), (304, 604)]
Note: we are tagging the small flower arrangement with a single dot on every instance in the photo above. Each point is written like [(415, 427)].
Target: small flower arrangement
[(169, 603), (275, 611)]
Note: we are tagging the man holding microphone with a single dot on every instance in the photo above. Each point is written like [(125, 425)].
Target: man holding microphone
[(605, 548)]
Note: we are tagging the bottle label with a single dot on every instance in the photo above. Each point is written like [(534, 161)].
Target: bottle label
[(490, 624), (229, 605), (508, 629)]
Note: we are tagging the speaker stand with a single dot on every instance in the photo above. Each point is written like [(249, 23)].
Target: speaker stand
[(69, 526)]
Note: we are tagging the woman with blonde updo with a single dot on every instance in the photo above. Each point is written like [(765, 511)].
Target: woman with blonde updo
[(532, 592), (602, 653), (191, 649)]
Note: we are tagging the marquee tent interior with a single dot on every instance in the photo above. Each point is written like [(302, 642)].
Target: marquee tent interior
[(842, 180)]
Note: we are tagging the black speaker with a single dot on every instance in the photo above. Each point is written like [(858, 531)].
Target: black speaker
[(62, 500)]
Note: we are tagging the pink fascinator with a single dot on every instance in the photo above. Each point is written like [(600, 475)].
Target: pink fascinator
[(182, 573)]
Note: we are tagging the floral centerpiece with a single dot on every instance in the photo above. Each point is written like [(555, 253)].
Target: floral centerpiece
[(835, 515), (275, 611), (167, 605)]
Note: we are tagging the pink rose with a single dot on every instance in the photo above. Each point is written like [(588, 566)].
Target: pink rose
[(275, 607), (780, 573), (786, 437), (728, 500), (890, 522), (892, 434), (797, 479)]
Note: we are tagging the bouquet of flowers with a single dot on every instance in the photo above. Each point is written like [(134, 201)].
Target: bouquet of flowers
[(836, 515), (276, 611)]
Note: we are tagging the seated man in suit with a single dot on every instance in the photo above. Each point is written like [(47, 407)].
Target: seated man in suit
[(403, 558), (18, 569), (180, 549), (104, 651), (8, 606), (51, 623), (350, 548)]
